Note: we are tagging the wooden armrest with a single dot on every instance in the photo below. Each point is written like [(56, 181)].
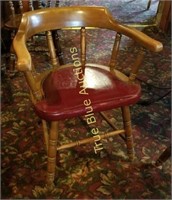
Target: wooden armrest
[(143, 39), (23, 62)]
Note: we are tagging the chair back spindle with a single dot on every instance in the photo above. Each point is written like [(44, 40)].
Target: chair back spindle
[(83, 46), (49, 3), (57, 3), (39, 4), (52, 3), (115, 51), (21, 6), (31, 5), (51, 47), (11, 4), (36, 92)]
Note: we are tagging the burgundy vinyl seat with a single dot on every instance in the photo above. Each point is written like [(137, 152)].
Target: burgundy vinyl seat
[(104, 90)]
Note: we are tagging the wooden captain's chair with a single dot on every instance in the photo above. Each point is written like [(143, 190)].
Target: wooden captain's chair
[(61, 92)]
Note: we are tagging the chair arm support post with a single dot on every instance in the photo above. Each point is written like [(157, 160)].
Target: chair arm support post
[(34, 87), (136, 66)]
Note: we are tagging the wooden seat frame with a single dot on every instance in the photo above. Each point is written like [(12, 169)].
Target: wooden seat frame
[(82, 17)]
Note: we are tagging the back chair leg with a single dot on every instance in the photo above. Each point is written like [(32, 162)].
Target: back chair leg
[(128, 131), (52, 151), (149, 4), (164, 156), (46, 135), (56, 41)]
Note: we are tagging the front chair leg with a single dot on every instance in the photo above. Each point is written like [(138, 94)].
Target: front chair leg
[(128, 131), (52, 150)]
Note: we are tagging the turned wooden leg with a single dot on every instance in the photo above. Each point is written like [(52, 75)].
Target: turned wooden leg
[(52, 150), (128, 131), (57, 46)]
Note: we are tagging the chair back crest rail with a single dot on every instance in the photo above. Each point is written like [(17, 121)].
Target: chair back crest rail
[(74, 17), (77, 16)]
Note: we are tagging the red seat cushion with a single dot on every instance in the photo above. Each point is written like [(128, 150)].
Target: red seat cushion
[(66, 96)]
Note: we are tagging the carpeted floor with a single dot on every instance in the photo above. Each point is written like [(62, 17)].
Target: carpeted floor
[(81, 173)]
